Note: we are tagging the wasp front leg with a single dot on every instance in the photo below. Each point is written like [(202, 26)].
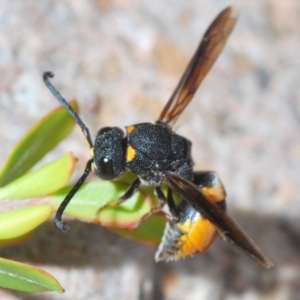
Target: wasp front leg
[(128, 194)]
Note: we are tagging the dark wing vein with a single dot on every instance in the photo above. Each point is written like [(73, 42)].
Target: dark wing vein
[(208, 50), (225, 225)]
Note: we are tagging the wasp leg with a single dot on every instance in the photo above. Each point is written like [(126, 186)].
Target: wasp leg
[(128, 194), (209, 184), (157, 208)]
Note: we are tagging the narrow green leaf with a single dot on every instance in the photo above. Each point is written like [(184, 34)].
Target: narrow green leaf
[(149, 232), (21, 277), (40, 139), (16, 223), (92, 196), (42, 181), (17, 240)]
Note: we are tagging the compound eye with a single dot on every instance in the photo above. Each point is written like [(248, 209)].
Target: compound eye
[(106, 168)]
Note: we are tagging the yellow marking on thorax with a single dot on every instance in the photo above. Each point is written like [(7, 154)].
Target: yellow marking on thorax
[(130, 154), (129, 129), (197, 237)]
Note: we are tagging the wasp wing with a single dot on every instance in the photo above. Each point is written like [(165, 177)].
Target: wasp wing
[(208, 50), (225, 225)]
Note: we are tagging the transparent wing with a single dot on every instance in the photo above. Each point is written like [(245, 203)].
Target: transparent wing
[(208, 50)]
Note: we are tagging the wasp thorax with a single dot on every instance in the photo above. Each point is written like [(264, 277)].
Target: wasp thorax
[(109, 158)]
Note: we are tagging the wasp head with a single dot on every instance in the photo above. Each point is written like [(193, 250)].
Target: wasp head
[(109, 157)]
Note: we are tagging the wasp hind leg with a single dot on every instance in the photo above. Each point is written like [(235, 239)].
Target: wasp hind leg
[(158, 208), (209, 184)]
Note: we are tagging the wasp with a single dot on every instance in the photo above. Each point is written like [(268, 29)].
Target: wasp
[(157, 155)]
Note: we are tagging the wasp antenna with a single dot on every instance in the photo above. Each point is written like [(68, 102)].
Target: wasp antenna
[(58, 222), (65, 104)]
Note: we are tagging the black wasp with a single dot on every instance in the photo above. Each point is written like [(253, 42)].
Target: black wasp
[(158, 155)]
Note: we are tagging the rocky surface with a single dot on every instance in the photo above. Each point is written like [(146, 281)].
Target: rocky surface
[(122, 60)]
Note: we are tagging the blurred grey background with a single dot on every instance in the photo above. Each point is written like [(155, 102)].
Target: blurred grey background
[(122, 59)]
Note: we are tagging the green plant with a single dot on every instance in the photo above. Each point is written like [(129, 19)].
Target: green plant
[(28, 199)]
